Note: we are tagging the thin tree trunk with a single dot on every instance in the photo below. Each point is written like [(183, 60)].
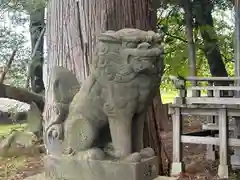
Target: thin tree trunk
[(73, 28), (187, 6), (21, 94), (37, 25), (203, 14)]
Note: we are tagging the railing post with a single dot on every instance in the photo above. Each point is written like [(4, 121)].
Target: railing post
[(223, 146), (177, 164)]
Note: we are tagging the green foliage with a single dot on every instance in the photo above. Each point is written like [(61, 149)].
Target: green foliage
[(10, 39), (223, 4), (23, 5), (15, 13), (171, 22), (6, 130)]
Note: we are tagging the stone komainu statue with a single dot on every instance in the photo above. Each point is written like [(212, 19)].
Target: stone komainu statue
[(106, 116)]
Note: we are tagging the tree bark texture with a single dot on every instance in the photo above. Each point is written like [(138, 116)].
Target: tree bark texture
[(73, 27)]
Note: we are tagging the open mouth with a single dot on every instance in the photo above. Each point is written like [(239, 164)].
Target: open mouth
[(143, 53), (142, 65)]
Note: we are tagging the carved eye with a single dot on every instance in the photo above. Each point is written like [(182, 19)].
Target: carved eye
[(131, 45)]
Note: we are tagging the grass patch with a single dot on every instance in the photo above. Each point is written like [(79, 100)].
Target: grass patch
[(168, 97), (6, 129)]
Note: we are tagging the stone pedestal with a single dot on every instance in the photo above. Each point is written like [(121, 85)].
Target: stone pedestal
[(42, 176), (69, 168)]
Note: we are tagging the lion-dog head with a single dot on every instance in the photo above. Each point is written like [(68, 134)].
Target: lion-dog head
[(129, 51)]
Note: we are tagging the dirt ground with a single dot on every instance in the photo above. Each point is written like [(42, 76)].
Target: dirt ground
[(18, 168), (197, 168)]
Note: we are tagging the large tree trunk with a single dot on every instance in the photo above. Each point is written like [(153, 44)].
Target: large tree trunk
[(72, 30)]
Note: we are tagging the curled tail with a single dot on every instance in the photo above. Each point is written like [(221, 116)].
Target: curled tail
[(64, 87)]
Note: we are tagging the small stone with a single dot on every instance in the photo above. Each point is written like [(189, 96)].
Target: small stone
[(135, 157)]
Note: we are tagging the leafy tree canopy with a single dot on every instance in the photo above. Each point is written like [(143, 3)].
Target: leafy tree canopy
[(171, 22), (13, 35)]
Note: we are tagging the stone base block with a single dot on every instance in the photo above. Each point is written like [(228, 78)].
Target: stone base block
[(166, 178), (42, 176), (69, 168)]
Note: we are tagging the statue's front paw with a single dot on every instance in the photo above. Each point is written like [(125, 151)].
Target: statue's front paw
[(138, 156), (135, 157), (94, 154), (109, 150), (112, 152), (147, 152)]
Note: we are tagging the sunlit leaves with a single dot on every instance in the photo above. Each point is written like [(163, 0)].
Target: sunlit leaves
[(14, 32), (175, 41), (10, 40), (223, 4), (22, 5), (12, 37)]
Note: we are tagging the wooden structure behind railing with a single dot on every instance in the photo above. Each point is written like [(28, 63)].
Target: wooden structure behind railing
[(219, 103)]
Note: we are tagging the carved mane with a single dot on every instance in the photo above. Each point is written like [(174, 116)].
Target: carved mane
[(107, 54)]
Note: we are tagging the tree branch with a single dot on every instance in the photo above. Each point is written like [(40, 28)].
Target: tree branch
[(176, 37), (22, 95), (8, 66), (18, 94), (227, 59)]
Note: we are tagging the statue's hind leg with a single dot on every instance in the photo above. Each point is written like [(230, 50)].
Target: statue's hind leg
[(79, 137)]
